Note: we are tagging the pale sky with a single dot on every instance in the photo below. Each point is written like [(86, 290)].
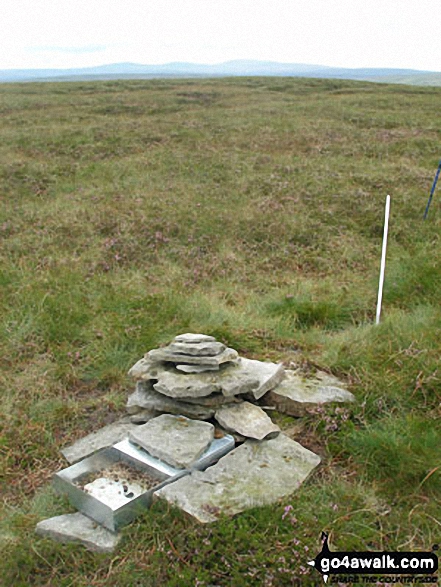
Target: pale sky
[(345, 33)]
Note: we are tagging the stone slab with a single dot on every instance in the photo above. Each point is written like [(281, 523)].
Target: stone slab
[(298, 395), (269, 375), (215, 400), (253, 474), (246, 419), (175, 440), (164, 354), (146, 398), (200, 349), (79, 528), (253, 376), (146, 370), (102, 438), (178, 385), (197, 368), (236, 379), (191, 337), (231, 379)]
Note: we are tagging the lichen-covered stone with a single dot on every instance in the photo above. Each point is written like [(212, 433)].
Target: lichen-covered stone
[(81, 529), (236, 379), (102, 438), (146, 398), (253, 474), (246, 419), (215, 400), (164, 354), (197, 368), (179, 385), (146, 370), (175, 440), (253, 376), (297, 395), (199, 349), (192, 338), (243, 376)]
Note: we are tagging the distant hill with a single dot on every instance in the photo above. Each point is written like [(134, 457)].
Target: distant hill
[(229, 68)]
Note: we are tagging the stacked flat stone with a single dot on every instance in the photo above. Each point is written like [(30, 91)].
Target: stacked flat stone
[(198, 377)]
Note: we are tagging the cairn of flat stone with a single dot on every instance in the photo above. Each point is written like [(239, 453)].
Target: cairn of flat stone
[(178, 388), (198, 377)]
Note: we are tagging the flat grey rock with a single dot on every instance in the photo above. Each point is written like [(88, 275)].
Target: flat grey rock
[(146, 398), (179, 385), (146, 370), (269, 375), (253, 474), (251, 376), (102, 438), (81, 529), (164, 354), (215, 400), (298, 395), (191, 338), (175, 440), (199, 349), (246, 419), (197, 368), (236, 379), (231, 379)]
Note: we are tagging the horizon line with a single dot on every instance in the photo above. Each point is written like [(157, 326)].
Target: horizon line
[(219, 63)]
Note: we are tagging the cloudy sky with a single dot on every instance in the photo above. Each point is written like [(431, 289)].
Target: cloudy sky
[(347, 33)]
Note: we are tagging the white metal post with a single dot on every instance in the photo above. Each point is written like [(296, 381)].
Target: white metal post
[(383, 259)]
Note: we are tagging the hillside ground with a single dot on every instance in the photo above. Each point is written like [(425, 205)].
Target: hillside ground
[(250, 209)]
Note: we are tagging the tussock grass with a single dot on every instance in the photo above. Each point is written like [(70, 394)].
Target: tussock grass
[(400, 452), (251, 209)]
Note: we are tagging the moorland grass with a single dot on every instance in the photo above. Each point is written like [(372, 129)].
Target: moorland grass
[(250, 209)]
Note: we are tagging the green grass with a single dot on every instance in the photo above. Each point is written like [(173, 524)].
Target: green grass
[(250, 209)]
